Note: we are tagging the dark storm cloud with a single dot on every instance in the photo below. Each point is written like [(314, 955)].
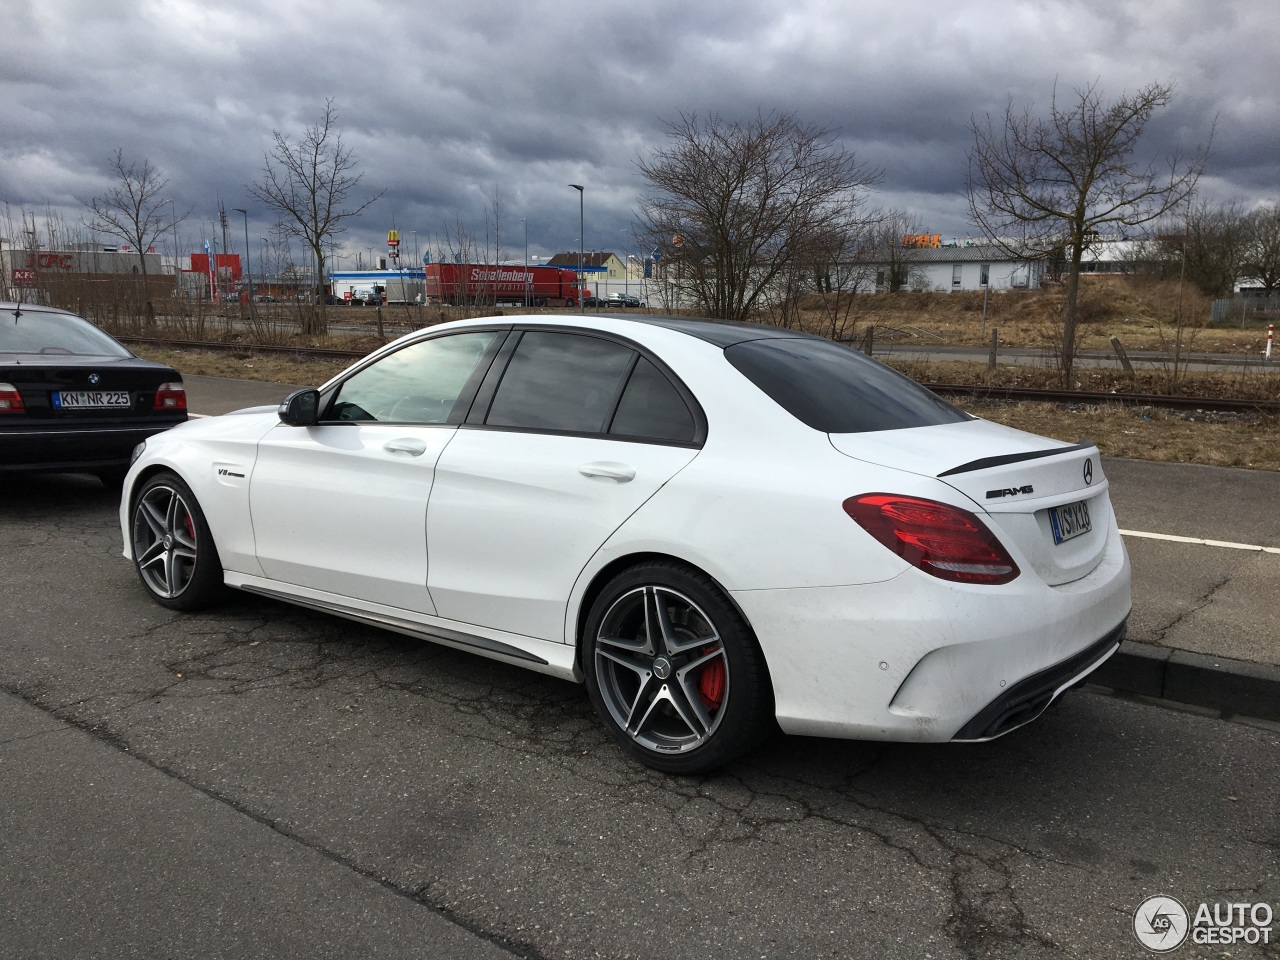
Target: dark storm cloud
[(449, 106)]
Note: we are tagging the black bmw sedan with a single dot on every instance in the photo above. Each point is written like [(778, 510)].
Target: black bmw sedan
[(75, 400)]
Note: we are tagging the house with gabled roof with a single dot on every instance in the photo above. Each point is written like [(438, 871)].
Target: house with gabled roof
[(596, 264)]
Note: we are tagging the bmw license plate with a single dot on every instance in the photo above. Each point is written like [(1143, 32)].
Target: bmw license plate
[(91, 399), (1070, 520)]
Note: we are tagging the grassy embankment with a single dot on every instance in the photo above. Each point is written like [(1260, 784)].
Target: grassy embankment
[(1142, 314)]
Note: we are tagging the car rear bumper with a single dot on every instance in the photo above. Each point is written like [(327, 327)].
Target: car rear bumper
[(47, 449), (915, 659)]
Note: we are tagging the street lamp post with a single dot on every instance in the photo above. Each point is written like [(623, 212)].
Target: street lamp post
[(264, 265), (248, 267), (581, 243), (173, 212), (525, 221)]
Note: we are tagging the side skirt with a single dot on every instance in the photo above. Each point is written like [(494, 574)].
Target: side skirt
[(554, 659)]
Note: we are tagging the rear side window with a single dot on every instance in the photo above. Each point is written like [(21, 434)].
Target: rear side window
[(560, 381), (652, 408), (837, 390)]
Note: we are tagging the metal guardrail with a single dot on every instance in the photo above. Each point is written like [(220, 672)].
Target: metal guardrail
[(976, 391)]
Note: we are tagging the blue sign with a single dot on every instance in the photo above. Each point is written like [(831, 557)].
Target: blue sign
[(426, 259)]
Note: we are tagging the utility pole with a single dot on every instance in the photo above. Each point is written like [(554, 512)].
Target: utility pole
[(577, 186), (226, 249), (248, 270)]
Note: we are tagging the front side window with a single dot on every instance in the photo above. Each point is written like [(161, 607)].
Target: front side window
[(565, 382), (420, 384)]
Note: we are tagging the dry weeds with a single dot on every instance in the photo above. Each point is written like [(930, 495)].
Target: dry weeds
[(1248, 440)]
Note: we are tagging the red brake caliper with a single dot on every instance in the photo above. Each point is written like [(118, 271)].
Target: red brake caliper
[(711, 681)]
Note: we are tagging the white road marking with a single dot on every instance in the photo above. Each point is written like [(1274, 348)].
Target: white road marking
[(1200, 541)]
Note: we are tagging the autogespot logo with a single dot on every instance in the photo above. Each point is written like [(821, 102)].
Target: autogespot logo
[(1161, 924)]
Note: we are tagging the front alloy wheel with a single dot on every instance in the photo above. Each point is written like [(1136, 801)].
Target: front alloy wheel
[(172, 548), (673, 670)]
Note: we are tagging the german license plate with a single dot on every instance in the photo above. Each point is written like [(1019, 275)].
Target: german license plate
[(90, 399), (1070, 520)]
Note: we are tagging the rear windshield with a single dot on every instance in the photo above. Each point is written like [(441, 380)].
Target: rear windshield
[(838, 390), (55, 334)]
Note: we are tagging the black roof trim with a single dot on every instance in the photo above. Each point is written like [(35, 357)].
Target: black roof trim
[(723, 333), (986, 462)]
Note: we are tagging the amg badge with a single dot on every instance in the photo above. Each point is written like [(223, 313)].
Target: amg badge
[(1009, 492)]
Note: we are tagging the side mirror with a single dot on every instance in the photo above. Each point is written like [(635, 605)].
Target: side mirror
[(300, 408)]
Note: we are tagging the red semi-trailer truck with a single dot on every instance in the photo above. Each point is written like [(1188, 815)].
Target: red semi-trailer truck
[(467, 283)]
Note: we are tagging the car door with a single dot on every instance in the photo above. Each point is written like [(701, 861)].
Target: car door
[(341, 506), (580, 432)]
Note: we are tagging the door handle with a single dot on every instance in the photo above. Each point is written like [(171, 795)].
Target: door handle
[(411, 446), (608, 470)]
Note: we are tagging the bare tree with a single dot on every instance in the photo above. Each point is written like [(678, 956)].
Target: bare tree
[(1039, 185), (1261, 260), (308, 184), (885, 246), (734, 206), (493, 211), (132, 210), (1209, 243)]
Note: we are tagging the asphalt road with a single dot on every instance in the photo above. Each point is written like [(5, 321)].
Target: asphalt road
[(265, 781)]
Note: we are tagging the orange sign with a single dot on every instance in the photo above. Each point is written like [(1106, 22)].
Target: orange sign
[(932, 240)]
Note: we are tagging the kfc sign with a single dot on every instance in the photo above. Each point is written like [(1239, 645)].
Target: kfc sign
[(50, 261), (24, 278)]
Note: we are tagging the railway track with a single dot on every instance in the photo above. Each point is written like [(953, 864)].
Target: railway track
[(973, 391)]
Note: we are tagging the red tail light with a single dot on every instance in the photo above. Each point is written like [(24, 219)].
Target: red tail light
[(944, 541), (171, 396), (11, 399)]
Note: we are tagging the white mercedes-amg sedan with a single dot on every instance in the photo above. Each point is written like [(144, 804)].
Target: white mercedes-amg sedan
[(718, 527)]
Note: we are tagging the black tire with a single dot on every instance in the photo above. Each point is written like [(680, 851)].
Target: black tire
[(674, 671), (173, 550)]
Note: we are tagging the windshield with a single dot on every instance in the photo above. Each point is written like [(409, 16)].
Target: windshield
[(55, 334)]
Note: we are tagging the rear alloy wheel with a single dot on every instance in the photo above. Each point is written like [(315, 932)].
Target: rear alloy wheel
[(173, 549), (674, 671)]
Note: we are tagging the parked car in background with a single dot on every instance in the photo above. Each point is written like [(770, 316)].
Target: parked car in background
[(365, 297), (591, 300), (716, 526), (623, 300), (75, 400)]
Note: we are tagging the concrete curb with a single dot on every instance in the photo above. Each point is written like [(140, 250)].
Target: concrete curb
[(1218, 683)]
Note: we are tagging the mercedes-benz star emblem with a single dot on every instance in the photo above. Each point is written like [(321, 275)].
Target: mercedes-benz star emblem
[(1088, 471), (662, 668)]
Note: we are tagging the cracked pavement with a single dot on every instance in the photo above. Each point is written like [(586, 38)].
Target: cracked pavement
[(404, 791)]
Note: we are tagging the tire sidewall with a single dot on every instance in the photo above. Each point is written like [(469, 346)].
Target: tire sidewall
[(748, 708), (205, 585)]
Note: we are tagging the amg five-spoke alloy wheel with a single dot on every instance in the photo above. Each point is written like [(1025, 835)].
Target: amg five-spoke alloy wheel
[(674, 671), (173, 549)]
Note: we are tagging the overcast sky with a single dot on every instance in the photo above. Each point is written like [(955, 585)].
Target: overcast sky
[(445, 103)]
